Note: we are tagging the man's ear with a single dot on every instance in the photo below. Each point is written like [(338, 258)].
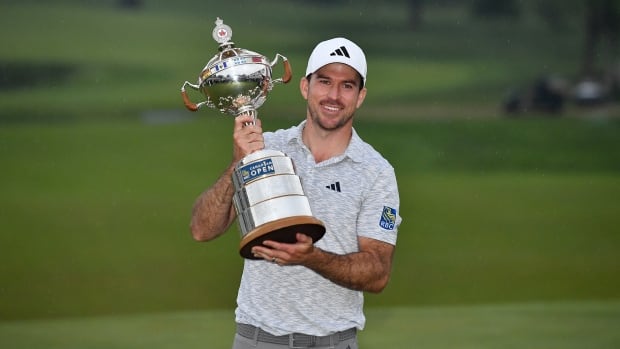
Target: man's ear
[(303, 87), (361, 97)]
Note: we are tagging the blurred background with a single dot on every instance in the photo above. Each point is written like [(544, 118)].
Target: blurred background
[(501, 119)]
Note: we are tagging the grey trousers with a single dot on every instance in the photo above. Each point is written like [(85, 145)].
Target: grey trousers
[(241, 342)]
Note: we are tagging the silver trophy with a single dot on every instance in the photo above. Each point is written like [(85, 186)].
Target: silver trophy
[(269, 198)]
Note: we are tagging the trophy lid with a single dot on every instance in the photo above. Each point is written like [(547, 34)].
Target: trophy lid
[(229, 55)]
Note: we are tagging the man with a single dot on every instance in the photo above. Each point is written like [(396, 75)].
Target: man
[(305, 294)]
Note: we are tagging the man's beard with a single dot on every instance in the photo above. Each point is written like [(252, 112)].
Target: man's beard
[(316, 119)]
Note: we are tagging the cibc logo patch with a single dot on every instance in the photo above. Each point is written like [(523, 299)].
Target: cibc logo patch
[(388, 218), (256, 169)]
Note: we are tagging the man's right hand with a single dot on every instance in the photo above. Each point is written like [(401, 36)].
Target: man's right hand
[(247, 137)]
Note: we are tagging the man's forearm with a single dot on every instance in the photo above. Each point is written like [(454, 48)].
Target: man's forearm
[(213, 211), (363, 271)]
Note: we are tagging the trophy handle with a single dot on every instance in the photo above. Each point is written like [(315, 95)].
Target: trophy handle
[(288, 73), (188, 103)]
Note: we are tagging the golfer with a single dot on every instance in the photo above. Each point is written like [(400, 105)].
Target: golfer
[(302, 294)]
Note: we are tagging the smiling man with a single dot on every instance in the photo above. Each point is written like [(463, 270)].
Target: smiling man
[(302, 294)]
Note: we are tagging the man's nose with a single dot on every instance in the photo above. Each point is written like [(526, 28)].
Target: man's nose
[(334, 92)]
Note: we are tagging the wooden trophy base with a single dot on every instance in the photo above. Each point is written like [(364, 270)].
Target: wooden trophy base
[(281, 230)]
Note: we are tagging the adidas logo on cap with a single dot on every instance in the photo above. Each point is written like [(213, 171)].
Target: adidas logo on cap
[(338, 50), (342, 51)]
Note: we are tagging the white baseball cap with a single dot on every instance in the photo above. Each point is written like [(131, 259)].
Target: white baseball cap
[(338, 50)]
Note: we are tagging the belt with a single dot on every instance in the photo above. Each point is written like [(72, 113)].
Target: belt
[(295, 340)]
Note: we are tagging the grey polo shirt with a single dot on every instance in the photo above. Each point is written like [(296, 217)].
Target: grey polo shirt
[(354, 194)]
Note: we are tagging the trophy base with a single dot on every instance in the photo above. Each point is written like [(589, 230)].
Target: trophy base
[(281, 230)]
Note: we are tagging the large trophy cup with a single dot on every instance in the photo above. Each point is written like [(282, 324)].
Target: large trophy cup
[(269, 198)]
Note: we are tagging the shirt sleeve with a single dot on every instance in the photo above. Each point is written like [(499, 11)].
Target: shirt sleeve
[(379, 216)]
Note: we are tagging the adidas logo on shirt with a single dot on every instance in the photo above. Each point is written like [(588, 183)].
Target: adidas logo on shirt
[(342, 51), (334, 186)]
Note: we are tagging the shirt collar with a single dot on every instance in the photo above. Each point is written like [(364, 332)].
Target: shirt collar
[(354, 150)]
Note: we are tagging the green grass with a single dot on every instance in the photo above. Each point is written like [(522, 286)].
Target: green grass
[(525, 325), (95, 215), (498, 238)]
